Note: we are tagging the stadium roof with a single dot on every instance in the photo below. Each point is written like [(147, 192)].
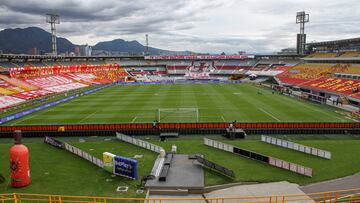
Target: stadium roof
[(335, 42), (50, 57), (25, 56), (336, 59)]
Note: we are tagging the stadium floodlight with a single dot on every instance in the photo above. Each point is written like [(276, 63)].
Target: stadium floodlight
[(301, 18), (53, 19), (147, 45)]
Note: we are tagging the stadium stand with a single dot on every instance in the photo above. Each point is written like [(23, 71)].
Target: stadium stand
[(352, 69), (86, 78), (333, 79), (23, 86), (111, 75), (32, 94), (337, 85), (47, 81), (4, 91), (350, 54), (37, 79), (304, 72), (323, 55), (7, 101), (7, 89)]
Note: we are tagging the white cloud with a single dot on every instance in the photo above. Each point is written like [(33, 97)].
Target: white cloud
[(201, 25)]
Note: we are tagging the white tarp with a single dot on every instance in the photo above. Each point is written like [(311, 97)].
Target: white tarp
[(6, 101)]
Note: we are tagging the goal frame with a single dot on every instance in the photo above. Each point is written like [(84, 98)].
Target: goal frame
[(195, 110)]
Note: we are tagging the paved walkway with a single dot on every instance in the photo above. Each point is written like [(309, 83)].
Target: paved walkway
[(264, 189), (348, 182), (252, 192)]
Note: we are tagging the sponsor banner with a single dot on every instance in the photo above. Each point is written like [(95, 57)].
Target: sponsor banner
[(296, 147), (286, 165), (308, 172), (58, 69), (73, 150), (125, 167), (108, 160), (263, 158), (137, 142), (293, 167), (314, 151), (216, 167), (272, 161), (327, 155), (192, 57), (53, 142)]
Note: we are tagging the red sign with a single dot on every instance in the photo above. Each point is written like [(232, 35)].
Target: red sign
[(201, 57)]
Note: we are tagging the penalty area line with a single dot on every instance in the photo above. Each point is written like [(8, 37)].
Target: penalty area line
[(222, 117), (88, 116), (133, 120), (269, 114)]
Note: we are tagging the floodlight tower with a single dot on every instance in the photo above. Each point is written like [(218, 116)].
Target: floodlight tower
[(301, 18), (147, 45), (53, 19)]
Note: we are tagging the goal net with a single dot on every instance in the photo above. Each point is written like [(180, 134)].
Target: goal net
[(182, 115)]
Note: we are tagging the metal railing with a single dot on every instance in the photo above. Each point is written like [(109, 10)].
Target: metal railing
[(348, 196)]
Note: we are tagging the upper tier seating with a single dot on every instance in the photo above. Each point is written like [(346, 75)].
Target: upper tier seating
[(351, 69), (307, 71), (349, 54), (322, 55)]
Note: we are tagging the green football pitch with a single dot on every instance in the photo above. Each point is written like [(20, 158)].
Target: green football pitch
[(214, 102), (55, 171)]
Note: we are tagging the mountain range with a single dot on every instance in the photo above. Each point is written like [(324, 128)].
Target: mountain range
[(20, 41)]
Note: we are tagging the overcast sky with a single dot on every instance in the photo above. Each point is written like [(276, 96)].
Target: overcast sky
[(256, 26)]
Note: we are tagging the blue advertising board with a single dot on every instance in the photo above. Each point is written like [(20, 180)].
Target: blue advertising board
[(125, 167)]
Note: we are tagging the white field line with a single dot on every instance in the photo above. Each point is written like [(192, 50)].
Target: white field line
[(351, 119), (222, 117), (21, 120), (133, 120), (272, 116), (323, 112), (88, 116), (32, 115)]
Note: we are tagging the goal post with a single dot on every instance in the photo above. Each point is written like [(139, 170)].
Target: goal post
[(177, 115)]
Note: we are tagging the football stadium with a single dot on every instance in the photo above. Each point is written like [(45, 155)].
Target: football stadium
[(182, 128)]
